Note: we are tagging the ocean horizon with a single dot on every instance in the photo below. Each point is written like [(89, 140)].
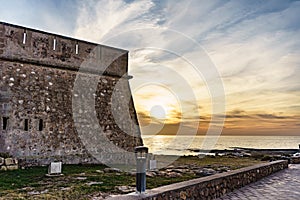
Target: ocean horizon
[(183, 145)]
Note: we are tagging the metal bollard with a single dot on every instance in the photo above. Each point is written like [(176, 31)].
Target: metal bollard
[(141, 154)]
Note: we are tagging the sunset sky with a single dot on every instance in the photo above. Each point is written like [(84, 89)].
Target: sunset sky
[(195, 62)]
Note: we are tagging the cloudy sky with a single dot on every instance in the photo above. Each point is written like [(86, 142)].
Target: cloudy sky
[(198, 65)]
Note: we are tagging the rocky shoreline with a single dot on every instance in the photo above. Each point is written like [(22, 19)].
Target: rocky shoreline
[(247, 150)]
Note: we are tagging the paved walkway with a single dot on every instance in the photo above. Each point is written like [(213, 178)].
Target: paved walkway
[(283, 185)]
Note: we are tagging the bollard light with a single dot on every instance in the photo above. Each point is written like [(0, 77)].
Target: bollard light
[(141, 154)]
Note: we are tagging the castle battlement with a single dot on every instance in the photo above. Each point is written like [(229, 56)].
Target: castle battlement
[(23, 44)]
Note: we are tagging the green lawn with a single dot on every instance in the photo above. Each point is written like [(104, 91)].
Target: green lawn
[(33, 184), (214, 162)]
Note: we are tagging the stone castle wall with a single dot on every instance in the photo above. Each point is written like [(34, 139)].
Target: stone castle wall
[(39, 121)]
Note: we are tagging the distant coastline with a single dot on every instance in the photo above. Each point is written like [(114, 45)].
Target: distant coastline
[(226, 134), (187, 145)]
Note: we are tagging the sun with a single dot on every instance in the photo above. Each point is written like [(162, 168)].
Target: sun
[(157, 102), (158, 112)]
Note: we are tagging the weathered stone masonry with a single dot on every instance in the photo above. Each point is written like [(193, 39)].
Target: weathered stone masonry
[(38, 71)]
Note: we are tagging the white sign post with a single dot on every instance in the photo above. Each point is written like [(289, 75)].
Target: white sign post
[(152, 165)]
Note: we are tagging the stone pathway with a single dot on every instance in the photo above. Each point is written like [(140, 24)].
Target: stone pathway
[(283, 185)]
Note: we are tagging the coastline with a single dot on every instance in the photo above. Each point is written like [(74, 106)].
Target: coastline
[(183, 145), (248, 150)]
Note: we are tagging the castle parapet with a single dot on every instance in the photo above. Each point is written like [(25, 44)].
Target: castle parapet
[(52, 50)]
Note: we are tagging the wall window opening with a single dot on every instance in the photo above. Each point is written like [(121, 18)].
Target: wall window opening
[(76, 49), (26, 125), (24, 37), (4, 123), (54, 44), (41, 125)]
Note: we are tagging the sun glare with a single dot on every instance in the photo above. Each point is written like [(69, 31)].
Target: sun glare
[(158, 102), (158, 112)]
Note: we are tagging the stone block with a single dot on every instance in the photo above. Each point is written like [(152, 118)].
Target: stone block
[(112, 170), (3, 168), (9, 161), (12, 167), (55, 168), (1, 161)]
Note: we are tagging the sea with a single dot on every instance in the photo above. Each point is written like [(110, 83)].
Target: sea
[(188, 145)]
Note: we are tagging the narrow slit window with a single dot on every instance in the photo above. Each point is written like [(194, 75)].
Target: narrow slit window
[(24, 37), (4, 123), (76, 49), (41, 125), (26, 125), (54, 44)]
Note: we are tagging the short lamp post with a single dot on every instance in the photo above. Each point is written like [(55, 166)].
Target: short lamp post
[(141, 154)]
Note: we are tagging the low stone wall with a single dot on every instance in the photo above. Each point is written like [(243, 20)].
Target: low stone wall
[(210, 187), (8, 164)]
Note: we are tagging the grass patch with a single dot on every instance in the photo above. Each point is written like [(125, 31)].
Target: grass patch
[(214, 162), (11, 180), (32, 183)]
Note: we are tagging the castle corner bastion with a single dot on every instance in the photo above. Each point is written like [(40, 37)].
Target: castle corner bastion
[(63, 99)]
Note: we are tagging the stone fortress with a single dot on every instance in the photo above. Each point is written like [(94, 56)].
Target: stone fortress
[(38, 72)]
